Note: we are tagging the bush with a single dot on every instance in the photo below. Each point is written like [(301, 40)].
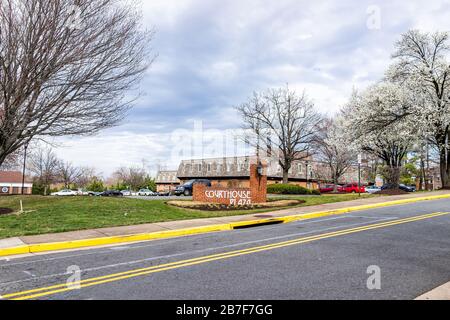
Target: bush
[(289, 189)]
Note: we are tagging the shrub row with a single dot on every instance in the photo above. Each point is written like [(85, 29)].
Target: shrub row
[(290, 189)]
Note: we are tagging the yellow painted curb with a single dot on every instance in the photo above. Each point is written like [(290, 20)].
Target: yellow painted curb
[(14, 251), (44, 247)]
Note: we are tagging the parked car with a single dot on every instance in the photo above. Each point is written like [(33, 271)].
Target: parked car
[(93, 193), (372, 189), (407, 188), (65, 193), (111, 193), (126, 193), (82, 192), (146, 192), (330, 188), (187, 188), (353, 188), (401, 186)]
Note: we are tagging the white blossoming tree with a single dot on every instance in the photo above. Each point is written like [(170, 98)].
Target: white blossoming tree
[(422, 65), (366, 126), (333, 150)]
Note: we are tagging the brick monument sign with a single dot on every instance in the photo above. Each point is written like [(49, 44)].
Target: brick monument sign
[(257, 193)]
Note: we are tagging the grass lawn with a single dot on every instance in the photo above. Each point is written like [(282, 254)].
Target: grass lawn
[(51, 214)]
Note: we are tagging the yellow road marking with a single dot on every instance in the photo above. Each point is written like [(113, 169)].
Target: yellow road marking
[(45, 291)]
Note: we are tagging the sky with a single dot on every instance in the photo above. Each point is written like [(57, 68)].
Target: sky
[(212, 55)]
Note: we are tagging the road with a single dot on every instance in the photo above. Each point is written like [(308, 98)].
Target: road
[(326, 258)]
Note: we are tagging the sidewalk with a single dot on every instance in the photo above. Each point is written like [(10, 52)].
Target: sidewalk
[(186, 224)]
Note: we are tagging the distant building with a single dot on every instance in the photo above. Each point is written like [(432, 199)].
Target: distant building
[(235, 172), (166, 181), (11, 183)]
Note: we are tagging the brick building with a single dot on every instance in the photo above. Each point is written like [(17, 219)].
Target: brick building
[(11, 183), (234, 172), (166, 181)]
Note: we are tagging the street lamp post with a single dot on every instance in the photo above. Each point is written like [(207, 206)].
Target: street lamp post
[(359, 174), (307, 178), (24, 167)]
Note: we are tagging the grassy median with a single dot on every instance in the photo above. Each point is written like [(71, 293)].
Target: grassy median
[(51, 214)]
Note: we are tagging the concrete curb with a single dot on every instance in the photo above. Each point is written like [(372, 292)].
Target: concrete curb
[(66, 245)]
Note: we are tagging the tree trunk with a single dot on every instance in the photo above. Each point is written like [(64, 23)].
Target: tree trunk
[(445, 174), (335, 189), (285, 176), (393, 177)]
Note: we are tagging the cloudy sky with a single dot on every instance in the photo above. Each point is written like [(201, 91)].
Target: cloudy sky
[(213, 54)]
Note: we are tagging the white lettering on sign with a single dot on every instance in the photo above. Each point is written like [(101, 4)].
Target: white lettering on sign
[(236, 197)]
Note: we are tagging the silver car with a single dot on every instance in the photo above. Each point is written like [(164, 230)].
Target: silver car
[(372, 189)]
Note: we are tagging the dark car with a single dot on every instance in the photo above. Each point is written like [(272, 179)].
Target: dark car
[(401, 187), (187, 188), (111, 193)]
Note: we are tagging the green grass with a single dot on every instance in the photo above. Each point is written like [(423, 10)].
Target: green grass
[(51, 215)]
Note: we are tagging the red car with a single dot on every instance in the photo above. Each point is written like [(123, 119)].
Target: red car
[(353, 188), (330, 188)]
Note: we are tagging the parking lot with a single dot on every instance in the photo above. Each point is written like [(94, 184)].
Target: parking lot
[(166, 198)]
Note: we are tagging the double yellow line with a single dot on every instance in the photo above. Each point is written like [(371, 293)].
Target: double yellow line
[(51, 290)]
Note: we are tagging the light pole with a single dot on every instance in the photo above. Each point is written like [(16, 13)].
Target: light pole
[(307, 171), (359, 174), (24, 167)]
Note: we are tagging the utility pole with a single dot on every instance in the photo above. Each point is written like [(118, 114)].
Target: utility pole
[(307, 169), (359, 174), (24, 167)]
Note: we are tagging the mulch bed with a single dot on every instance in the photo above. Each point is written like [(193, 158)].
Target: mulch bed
[(5, 211), (222, 207), (391, 192)]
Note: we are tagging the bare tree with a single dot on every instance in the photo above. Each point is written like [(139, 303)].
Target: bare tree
[(332, 149), (12, 161), (43, 164), (68, 173), (86, 176), (133, 177), (284, 118), (66, 66)]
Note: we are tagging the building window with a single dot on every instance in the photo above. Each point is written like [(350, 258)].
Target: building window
[(199, 167), (299, 168), (209, 167)]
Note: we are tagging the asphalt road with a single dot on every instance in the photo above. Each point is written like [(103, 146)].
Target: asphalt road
[(326, 258)]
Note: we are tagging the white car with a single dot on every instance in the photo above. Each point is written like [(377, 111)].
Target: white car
[(145, 192), (65, 192), (126, 193), (372, 189)]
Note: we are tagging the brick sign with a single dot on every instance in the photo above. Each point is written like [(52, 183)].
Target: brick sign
[(257, 193)]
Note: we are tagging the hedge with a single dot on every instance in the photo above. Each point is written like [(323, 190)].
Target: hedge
[(289, 189)]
